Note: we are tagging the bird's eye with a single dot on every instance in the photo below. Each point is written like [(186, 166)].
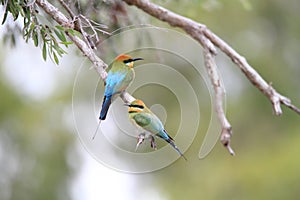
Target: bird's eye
[(127, 61), (137, 106), (140, 106)]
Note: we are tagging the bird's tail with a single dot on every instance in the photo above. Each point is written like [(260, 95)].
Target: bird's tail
[(105, 106), (171, 142), (96, 130)]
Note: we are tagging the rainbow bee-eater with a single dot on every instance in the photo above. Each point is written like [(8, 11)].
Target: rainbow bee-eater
[(142, 116), (119, 77)]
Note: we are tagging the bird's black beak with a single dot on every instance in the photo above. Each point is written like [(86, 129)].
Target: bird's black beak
[(127, 104), (136, 59)]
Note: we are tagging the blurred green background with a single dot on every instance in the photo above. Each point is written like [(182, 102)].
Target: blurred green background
[(41, 156)]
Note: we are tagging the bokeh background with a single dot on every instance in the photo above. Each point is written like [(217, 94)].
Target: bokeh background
[(41, 156)]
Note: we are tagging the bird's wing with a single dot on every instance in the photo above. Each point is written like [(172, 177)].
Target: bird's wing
[(114, 83), (149, 122), (166, 135), (142, 119)]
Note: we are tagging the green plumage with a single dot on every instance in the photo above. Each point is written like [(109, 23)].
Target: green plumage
[(142, 119), (120, 75), (142, 116)]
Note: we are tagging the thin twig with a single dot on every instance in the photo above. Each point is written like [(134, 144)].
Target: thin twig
[(193, 28), (209, 40), (252, 75), (197, 31), (98, 64), (67, 8), (91, 26), (79, 26), (201, 34), (219, 89)]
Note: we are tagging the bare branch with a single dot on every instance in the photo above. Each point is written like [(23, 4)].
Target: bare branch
[(79, 27), (192, 28), (219, 89), (61, 19), (199, 32), (267, 89), (209, 40), (67, 8)]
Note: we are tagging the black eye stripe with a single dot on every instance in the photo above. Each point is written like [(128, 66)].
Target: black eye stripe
[(132, 60), (137, 106), (128, 61)]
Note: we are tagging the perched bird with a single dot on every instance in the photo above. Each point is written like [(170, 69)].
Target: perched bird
[(119, 77), (142, 116)]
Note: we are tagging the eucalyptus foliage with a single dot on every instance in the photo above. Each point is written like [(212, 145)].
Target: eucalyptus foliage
[(34, 27)]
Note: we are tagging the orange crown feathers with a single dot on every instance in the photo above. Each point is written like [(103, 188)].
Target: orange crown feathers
[(123, 57), (140, 102)]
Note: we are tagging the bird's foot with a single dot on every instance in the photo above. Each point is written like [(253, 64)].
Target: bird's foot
[(152, 142), (140, 140)]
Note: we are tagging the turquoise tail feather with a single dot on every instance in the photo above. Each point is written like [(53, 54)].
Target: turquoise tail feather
[(105, 107), (170, 140)]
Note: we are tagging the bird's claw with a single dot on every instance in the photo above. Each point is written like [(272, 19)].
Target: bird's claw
[(140, 140), (153, 143)]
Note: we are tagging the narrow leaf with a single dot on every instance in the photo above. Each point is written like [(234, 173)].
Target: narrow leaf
[(35, 38), (4, 17), (59, 35), (64, 39), (66, 43), (60, 28), (44, 51), (55, 58)]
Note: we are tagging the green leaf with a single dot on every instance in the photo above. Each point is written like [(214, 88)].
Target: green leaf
[(53, 39), (60, 28), (43, 34), (4, 17), (64, 39), (55, 58), (29, 31), (66, 43), (44, 51), (32, 25), (60, 35), (73, 32), (35, 38), (59, 50)]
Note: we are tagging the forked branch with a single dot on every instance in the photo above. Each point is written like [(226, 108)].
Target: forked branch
[(219, 89), (200, 33), (197, 31), (83, 46), (209, 41)]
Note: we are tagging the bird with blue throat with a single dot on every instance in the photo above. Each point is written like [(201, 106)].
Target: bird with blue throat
[(143, 117), (119, 77)]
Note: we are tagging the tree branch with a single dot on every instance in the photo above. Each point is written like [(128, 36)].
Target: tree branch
[(275, 98), (62, 20), (200, 33), (219, 89), (67, 8), (197, 31), (192, 28), (209, 40)]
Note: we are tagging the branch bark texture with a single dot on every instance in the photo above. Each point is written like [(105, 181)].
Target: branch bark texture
[(200, 32), (209, 42), (62, 20), (219, 89)]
